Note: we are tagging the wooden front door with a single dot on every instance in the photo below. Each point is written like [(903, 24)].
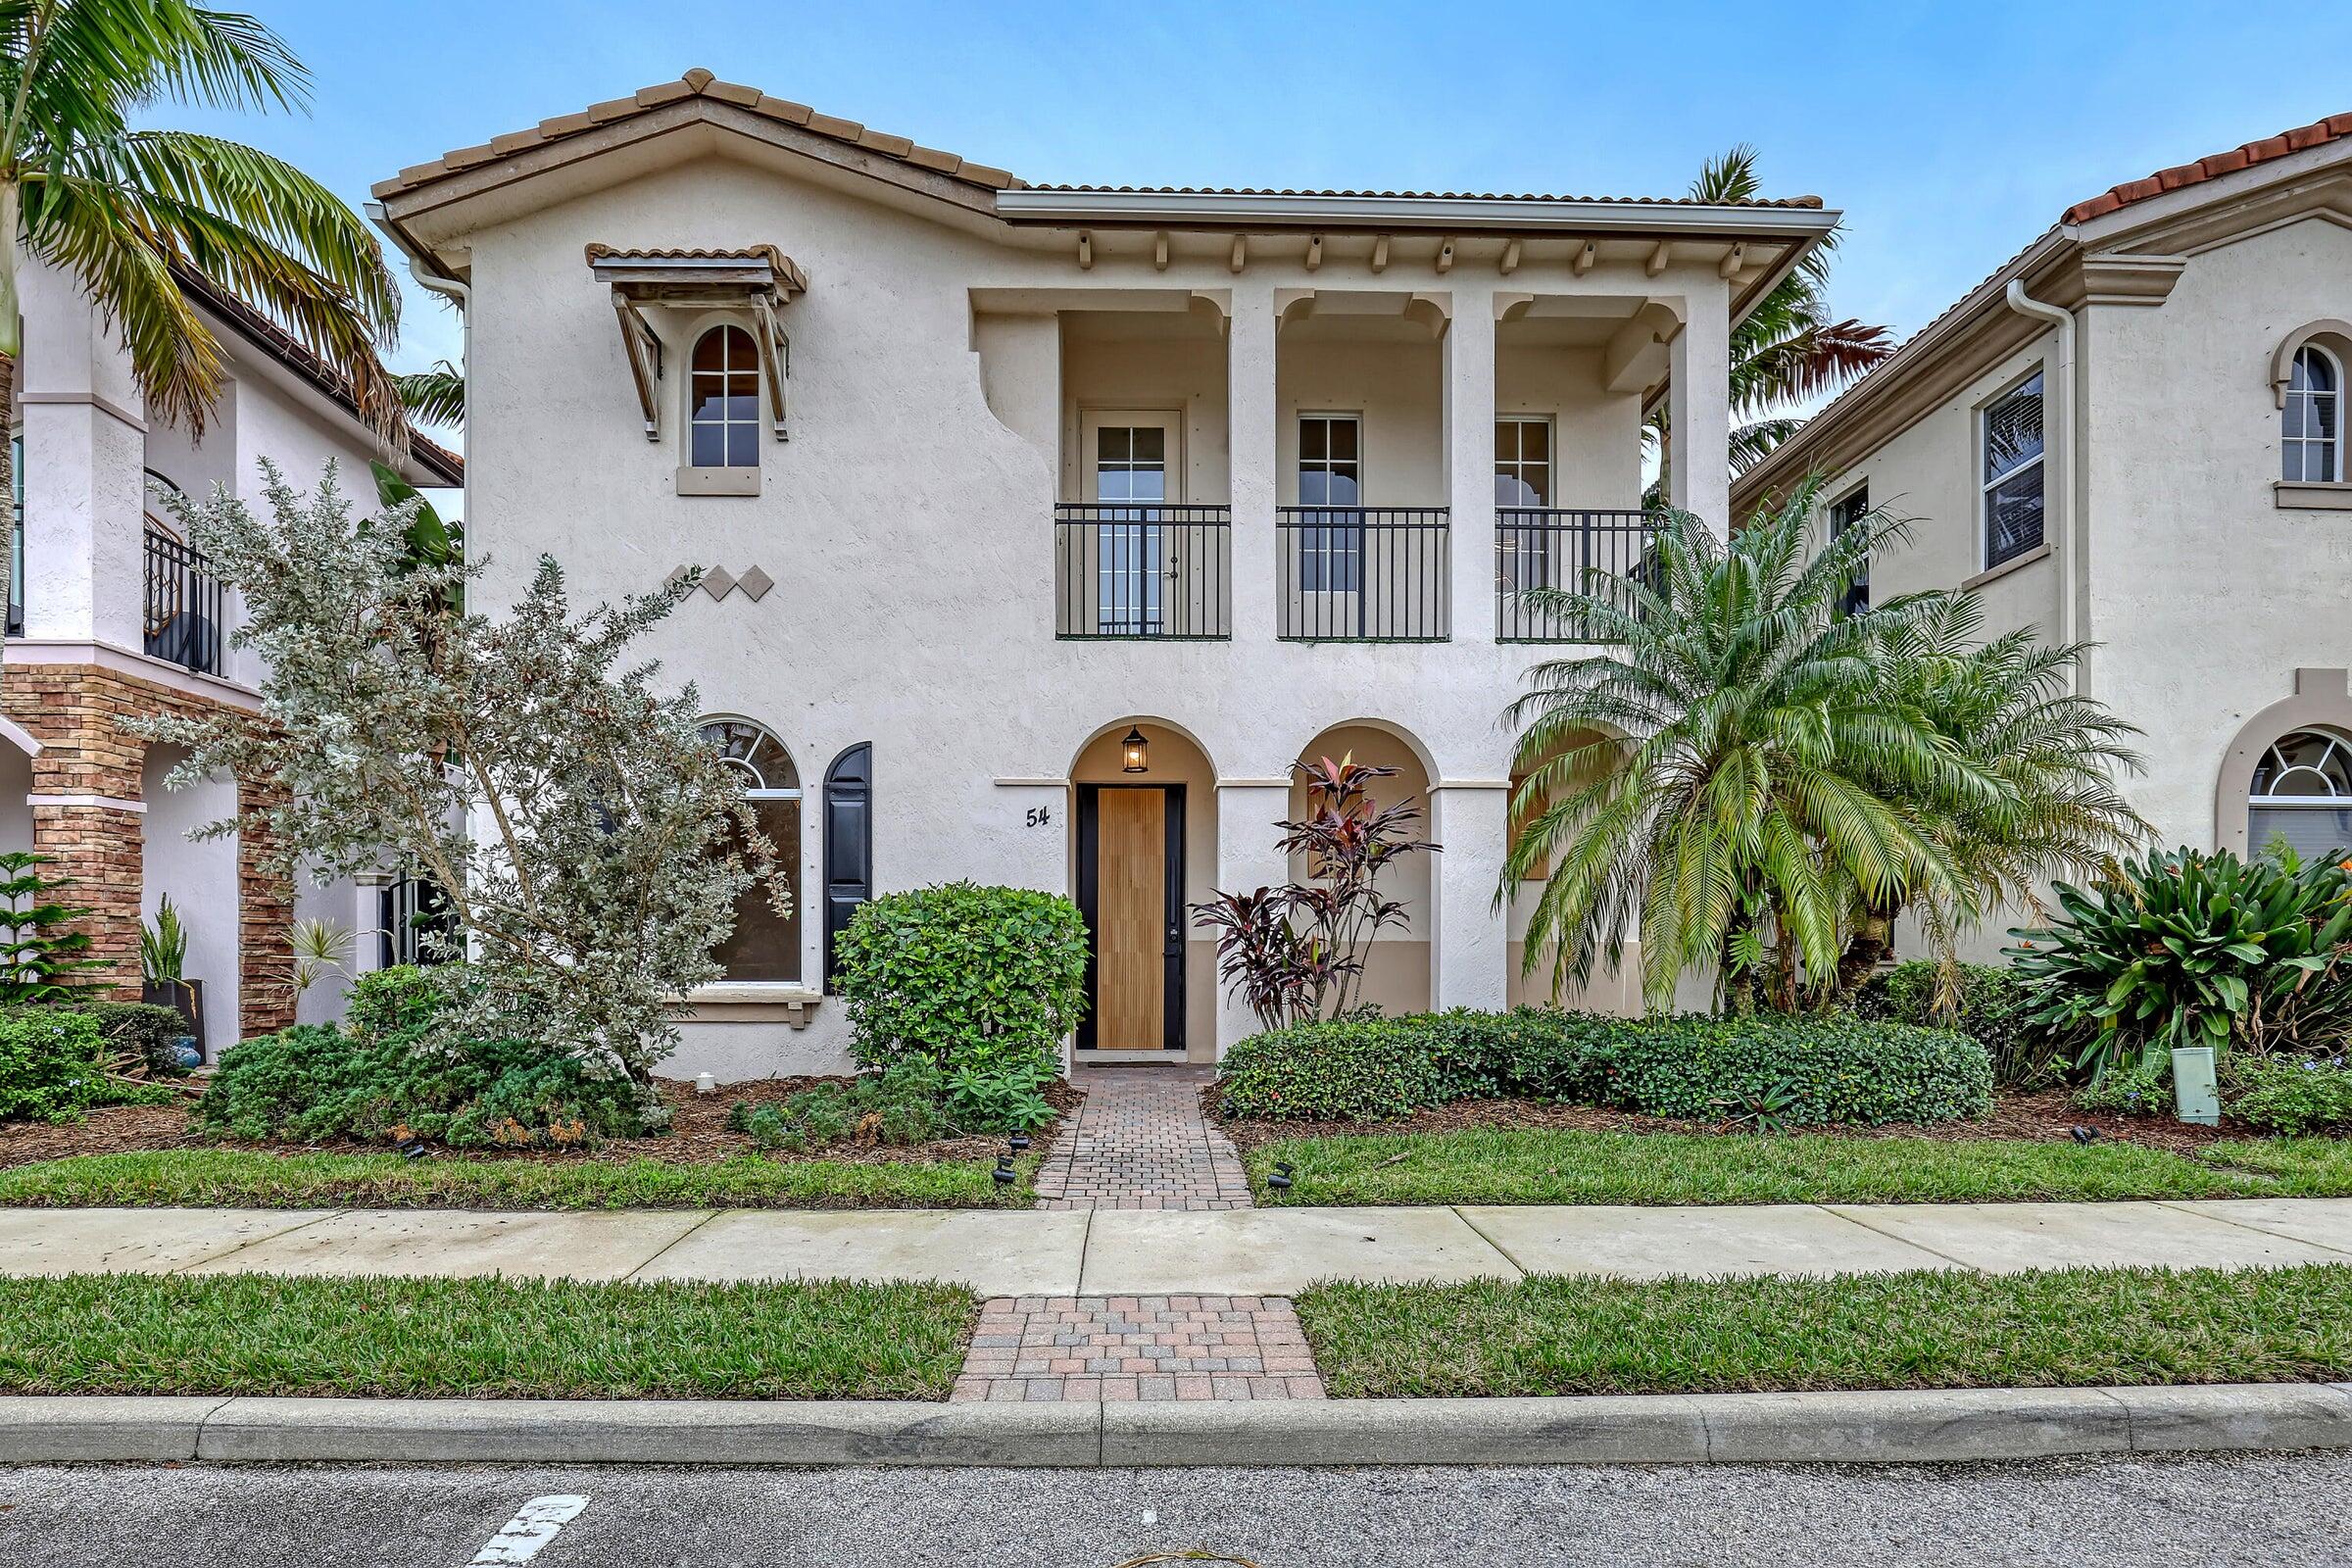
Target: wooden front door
[(1130, 888)]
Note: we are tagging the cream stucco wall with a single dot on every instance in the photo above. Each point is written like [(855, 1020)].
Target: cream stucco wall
[(908, 525), (2202, 595)]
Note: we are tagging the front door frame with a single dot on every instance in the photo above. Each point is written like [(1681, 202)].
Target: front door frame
[(1171, 1002)]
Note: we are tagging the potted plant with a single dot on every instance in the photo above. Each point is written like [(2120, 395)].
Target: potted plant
[(163, 960)]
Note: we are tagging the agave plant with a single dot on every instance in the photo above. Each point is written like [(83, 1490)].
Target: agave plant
[(2196, 948), (164, 945), (1296, 953)]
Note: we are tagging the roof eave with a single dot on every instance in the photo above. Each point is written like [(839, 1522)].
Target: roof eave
[(1208, 209)]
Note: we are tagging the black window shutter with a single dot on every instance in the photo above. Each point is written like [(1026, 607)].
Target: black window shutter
[(849, 842)]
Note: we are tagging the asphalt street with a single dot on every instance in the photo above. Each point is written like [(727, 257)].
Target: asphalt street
[(2275, 1510)]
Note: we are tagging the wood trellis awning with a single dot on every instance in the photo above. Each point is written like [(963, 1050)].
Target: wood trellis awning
[(758, 280)]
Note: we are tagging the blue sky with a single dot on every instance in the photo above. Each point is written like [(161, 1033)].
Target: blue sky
[(1949, 134)]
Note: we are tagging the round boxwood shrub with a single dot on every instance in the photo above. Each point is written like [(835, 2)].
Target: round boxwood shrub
[(969, 976)]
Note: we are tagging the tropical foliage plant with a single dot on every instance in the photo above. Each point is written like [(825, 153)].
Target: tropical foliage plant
[(164, 945), (2008, 705), (1788, 349), (435, 395), (42, 953), (590, 842), (2195, 948), (132, 215), (1725, 766), (1296, 953)]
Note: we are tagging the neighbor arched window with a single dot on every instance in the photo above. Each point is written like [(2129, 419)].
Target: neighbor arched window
[(723, 424), (2302, 793), (764, 945), (2312, 426)]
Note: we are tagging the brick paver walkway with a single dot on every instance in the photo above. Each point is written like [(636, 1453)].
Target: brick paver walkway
[(1118, 1348), (1141, 1143)]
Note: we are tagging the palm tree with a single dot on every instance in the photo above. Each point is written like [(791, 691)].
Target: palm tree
[(434, 396), (1787, 349), (130, 213), (2009, 706), (1704, 773)]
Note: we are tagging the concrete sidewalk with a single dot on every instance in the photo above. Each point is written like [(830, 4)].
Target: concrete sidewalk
[(1275, 1252)]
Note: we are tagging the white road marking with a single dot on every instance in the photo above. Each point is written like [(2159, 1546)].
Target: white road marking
[(528, 1531)]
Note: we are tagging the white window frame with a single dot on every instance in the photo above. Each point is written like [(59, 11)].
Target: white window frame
[(1831, 530), (1332, 543), (1986, 486), (757, 788), (2332, 446)]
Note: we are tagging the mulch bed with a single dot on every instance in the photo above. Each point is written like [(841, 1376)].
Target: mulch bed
[(2045, 1117), (698, 1134)]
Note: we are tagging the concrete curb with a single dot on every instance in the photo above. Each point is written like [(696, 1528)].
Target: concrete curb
[(1936, 1426)]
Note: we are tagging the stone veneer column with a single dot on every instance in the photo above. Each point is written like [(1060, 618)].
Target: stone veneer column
[(265, 919), (86, 804)]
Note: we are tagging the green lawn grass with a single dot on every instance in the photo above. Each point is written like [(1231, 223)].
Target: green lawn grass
[(1499, 1165), (1928, 1330), (261, 1334), (238, 1178)]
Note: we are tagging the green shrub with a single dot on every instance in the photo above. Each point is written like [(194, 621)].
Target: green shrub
[(905, 1101), (399, 1063), (1007, 1096), (53, 1067), (2293, 1097), (1368, 1069), (1995, 1009), (2198, 949), (145, 1031), (1835, 1069), (2130, 1088), (962, 975)]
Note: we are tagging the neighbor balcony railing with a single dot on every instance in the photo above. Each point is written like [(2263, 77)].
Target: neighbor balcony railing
[(1367, 574), (185, 605), (1143, 569), (1551, 547)]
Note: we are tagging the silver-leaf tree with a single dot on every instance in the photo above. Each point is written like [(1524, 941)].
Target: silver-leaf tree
[(590, 842)]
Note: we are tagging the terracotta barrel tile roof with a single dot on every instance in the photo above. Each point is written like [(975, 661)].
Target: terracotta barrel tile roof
[(699, 84), (2316, 134), (1809, 203)]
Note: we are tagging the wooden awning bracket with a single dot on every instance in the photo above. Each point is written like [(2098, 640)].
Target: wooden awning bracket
[(758, 281)]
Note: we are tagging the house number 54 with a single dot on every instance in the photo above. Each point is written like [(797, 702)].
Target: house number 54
[(1039, 816)]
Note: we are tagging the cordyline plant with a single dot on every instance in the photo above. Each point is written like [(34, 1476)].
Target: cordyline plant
[(591, 844), (1296, 953)]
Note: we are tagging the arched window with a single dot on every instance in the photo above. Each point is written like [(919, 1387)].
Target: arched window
[(764, 944), (723, 427), (2302, 793), (2312, 427)]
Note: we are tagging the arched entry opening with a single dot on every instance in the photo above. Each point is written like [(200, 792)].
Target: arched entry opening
[(16, 749), (1144, 848), (1397, 961)]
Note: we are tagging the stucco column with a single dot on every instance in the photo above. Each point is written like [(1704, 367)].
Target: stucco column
[(1249, 360), (1247, 858), (1698, 403), (85, 488), (1470, 943), (1470, 463)]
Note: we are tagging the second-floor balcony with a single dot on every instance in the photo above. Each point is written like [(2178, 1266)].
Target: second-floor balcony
[(185, 605), (1143, 569), (1374, 574), (1559, 548)]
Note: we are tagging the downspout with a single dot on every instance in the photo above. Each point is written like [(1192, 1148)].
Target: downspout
[(420, 267), (2061, 396)]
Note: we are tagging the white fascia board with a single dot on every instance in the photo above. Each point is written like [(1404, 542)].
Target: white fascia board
[(1211, 209)]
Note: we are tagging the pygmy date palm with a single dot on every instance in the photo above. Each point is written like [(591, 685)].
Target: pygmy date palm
[(130, 213), (1724, 767), (2008, 705)]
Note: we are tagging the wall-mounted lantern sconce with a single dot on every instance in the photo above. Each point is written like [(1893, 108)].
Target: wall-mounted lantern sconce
[(1134, 749)]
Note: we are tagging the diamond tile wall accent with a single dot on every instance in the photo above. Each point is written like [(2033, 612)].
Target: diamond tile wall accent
[(717, 581), (755, 583)]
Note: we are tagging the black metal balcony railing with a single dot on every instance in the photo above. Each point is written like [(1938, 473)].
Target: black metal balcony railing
[(1371, 575), (1547, 547), (185, 605), (1141, 568)]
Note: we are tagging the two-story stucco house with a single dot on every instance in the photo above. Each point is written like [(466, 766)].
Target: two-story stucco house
[(2132, 434), (1047, 526), (114, 615)]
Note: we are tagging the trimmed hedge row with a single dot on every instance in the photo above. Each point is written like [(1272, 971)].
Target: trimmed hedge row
[(1834, 1068)]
